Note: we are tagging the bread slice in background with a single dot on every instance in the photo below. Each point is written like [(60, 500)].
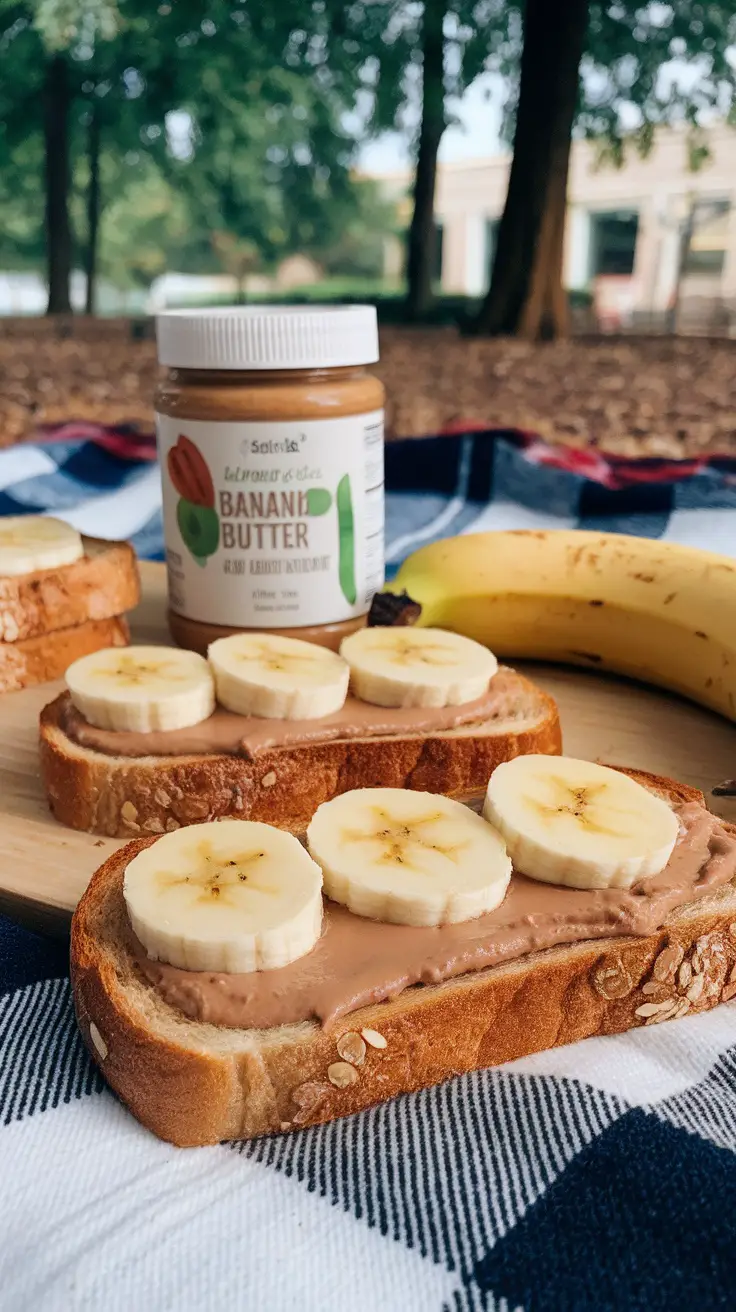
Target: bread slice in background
[(102, 584), (47, 656), (122, 796), (194, 1083)]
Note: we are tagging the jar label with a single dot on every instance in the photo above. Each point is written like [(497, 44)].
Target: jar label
[(272, 525)]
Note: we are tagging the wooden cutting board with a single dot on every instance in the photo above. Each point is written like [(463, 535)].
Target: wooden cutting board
[(44, 867)]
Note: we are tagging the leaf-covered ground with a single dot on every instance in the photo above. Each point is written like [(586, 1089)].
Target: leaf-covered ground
[(645, 396)]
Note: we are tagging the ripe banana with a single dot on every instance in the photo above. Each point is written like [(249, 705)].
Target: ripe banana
[(416, 667), (142, 688), (277, 678), (230, 896), (575, 823), (408, 858), (35, 542), (655, 611)]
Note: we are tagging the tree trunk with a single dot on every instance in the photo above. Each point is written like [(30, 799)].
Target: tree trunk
[(56, 101), (526, 296), (422, 240), (93, 209)]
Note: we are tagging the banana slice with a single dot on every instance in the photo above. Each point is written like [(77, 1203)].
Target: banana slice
[(142, 688), (231, 895), (34, 542), (408, 858), (277, 678), (417, 667), (576, 823)]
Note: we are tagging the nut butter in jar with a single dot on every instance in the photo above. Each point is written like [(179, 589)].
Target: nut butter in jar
[(270, 435)]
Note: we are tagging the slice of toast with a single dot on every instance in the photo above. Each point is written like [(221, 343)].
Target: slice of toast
[(48, 655), (103, 583), (195, 1083), (122, 797)]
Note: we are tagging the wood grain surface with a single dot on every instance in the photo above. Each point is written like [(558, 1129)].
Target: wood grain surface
[(44, 867)]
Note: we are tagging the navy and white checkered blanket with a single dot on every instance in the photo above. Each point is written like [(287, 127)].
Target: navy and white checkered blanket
[(594, 1177)]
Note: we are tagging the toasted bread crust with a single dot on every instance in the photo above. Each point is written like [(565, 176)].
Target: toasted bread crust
[(46, 657), (100, 585), (186, 1084), (88, 790)]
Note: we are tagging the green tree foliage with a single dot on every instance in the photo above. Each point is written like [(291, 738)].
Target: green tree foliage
[(628, 71), (21, 144), (428, 53), (359, 226), (227, 126), (21, 213)]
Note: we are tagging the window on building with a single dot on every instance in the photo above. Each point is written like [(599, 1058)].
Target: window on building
[(707, 251), (613, 242), (438, 244), (704, 261), (491, 238)]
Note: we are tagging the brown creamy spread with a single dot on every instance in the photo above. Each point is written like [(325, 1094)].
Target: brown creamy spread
[(239, 735), (196, 635), (271, 394), (358, 962)]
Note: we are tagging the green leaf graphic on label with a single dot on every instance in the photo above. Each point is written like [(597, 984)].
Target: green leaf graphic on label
[(199, 527), (346, 529), (200, 560), (319, 500)]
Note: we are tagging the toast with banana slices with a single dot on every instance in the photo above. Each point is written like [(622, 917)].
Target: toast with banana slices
[(166, 1037), (281, 783), (62, 596), (41, 659), (64, 580)]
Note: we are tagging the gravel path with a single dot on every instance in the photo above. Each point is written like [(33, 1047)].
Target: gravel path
[(646, 396)]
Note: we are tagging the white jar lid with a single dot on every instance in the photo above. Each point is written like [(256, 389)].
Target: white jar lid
[(266, 337)]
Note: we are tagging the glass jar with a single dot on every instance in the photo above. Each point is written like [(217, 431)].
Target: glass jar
[(270, 434)]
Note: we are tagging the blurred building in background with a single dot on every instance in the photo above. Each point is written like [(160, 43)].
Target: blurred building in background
[(24, 294), (648, 241)]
